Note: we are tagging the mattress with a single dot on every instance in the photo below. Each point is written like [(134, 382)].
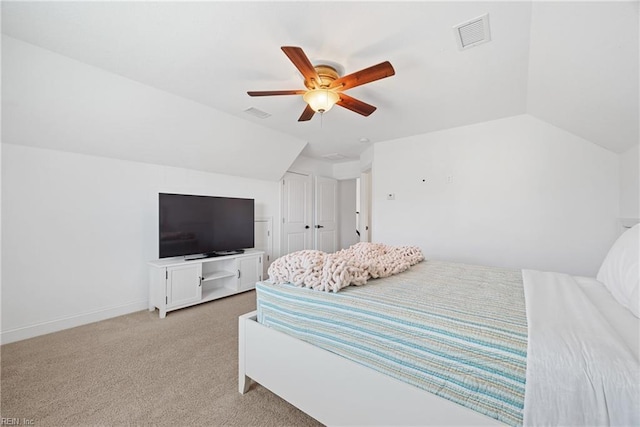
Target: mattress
[(458, 331)]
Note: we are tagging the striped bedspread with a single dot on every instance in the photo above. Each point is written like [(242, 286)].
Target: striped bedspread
[(455, 330)]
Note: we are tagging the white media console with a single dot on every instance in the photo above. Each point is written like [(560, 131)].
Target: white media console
[(176, 283)]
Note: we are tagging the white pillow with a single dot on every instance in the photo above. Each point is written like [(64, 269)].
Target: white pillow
[(619, 271)]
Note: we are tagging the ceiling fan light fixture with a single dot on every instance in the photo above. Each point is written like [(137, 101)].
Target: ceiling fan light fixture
[(321, 100), (325, 86)]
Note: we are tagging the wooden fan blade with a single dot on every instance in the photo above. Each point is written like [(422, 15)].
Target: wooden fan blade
[(306, 114), (275, 92), (302, 63), (368, 75), (355, 105)]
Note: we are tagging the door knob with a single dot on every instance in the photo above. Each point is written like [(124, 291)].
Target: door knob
[(319, 226), (306, 226)]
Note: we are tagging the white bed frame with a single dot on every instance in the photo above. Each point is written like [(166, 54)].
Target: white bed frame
[(335, 390)]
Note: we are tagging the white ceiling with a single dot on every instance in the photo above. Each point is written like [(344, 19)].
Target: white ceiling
[(573, 64)]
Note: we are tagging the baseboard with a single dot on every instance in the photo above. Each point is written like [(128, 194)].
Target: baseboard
[(19, 334)]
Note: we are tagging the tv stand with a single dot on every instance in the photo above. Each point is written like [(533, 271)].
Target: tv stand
[(177, 282)]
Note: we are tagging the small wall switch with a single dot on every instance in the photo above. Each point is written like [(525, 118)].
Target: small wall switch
[(391, 196), (450, 179)]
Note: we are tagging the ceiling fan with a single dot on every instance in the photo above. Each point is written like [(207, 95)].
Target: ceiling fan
[(325, 86)]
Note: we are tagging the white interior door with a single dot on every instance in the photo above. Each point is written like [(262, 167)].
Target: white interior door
[(364, 225), (296, 213), (264, 241), (326, 212)]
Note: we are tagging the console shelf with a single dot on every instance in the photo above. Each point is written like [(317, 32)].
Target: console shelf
[(177, 283), (215, 293), (218, 275)]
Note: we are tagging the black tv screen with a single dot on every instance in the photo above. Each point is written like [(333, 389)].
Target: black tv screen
[(208, 225)]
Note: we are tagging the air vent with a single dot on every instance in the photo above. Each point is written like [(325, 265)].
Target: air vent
[(334, 156), (257, 113), (473, 32)]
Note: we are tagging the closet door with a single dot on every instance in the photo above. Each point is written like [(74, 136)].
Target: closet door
[(326, 211), (296, 213), (364, 217)]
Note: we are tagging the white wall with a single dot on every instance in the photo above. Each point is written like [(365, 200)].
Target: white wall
[(347, 213), (521, 193), (342, 170), (1, 240), (309, 166), (366, 159), (78, 231), (630, 183), (347, 170)]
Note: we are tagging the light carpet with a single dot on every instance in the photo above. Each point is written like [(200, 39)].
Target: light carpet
[(141, 370)]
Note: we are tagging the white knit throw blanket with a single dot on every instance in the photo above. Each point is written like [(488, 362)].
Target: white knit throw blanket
[(323, 271)]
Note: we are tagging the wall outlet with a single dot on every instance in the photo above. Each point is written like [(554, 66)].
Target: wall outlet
[(391, 196)]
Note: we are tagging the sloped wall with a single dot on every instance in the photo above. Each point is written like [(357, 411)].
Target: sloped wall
[(51, 101), (586, 80)]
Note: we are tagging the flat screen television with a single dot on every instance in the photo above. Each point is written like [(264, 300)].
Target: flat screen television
[(204, 225)]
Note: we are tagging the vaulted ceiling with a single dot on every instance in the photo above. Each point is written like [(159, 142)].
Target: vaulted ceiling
[(573, 64)]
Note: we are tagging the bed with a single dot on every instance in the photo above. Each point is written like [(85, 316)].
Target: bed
[(454, 344)]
